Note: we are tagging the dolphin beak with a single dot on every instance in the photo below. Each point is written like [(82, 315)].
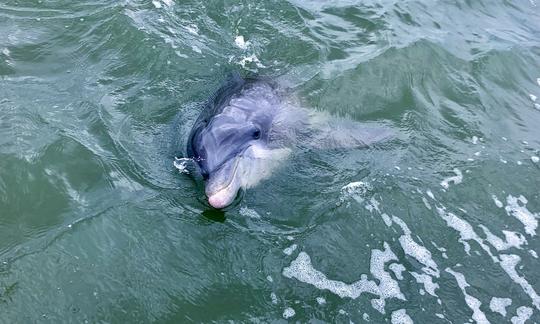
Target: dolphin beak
[(225, 195), (222, 198)]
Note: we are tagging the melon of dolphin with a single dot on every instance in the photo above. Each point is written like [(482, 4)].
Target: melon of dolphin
[(249, 127)]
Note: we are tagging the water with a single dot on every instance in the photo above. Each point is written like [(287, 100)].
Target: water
[(440, 225)]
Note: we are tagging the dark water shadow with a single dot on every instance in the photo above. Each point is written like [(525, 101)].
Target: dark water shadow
[(214, 215)]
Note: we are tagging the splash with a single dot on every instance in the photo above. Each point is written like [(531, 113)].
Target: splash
[(181, 164), (240, 42), (355, 190)]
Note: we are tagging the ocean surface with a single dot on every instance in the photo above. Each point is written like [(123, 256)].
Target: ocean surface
[(440, 225)]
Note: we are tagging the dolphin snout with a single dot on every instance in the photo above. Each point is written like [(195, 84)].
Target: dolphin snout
[(222, 198)]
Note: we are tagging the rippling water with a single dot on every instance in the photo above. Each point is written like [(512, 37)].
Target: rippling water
[(97, 225)]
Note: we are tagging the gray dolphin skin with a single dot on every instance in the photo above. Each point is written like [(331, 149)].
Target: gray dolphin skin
[(250, 126)]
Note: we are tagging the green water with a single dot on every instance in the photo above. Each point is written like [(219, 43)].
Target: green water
[(96, 224)]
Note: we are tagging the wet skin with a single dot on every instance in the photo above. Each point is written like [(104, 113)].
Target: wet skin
[(249, 127)]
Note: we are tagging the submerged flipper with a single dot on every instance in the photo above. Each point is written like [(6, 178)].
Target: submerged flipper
[(329, 132)]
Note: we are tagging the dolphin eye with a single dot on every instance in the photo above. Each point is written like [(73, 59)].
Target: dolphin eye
[(257, 134)]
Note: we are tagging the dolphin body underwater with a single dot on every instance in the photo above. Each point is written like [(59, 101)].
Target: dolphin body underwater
[(250, 126)]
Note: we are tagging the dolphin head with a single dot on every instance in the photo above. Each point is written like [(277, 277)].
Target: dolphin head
[(226, 149)]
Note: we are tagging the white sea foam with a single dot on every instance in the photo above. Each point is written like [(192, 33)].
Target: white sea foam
[(523, 314), (440, 248), (321, 300), (388, 287), (511, 239), (248, 212), (465, 230), (498, 203), (472, 302), (387, 220), (156, 4), (378, 305), (533, 97), (509, 263), (288, 313), (274, 299), (426, 203), (533, 253), (535, 159), (430, 194), (290, 249), (302, 270), (400, 317), (427, 280), (474, 140), (498, 305), (458, 178), (397, 269), (415, 250), (373, 205), (521, 212)]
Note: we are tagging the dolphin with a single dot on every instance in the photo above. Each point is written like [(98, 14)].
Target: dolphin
[(251, 125)]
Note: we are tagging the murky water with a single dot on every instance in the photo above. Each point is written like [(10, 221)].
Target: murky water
[(440, 225)]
